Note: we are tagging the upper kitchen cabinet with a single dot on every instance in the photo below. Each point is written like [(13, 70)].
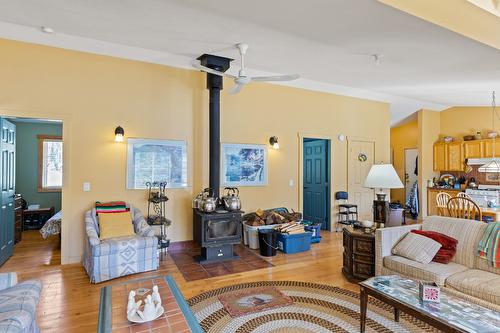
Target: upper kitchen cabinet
[(488, 148), (454, 159), (439, 156), (473, 149)]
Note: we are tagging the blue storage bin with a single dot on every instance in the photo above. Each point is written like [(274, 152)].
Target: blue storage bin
[(315, 228), (294, 243)]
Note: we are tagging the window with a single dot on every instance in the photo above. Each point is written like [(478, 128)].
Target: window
[(50, 162)]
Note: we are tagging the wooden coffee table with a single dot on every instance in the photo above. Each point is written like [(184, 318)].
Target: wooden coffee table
[(177, 318), (452, 314)]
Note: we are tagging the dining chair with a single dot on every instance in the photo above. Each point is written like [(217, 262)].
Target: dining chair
[(442, 199), (464, 195), (464, 208)]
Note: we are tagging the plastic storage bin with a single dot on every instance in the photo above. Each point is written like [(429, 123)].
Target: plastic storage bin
[(315, 228), (294, 243), (251, 235)]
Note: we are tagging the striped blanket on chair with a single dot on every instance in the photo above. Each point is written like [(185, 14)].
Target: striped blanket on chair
[(489, 245)]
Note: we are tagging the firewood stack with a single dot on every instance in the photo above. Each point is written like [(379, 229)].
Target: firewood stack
[(290, 228), (262, 217)]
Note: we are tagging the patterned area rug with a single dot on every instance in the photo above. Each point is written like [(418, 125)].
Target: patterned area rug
[(316, 308), (250, 300)]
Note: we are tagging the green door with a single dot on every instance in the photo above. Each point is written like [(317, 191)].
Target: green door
[(316, 182), (7, 186)]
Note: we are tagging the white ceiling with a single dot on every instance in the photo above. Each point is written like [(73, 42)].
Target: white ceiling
[(328, 42)]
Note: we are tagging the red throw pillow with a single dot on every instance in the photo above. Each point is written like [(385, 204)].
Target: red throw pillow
[(448, 245), (444, 256)]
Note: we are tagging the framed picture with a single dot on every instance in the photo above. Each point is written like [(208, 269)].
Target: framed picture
[(151, 160), (492, 177), (244, 165)]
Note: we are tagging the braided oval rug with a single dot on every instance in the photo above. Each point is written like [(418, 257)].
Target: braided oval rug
[(315, 308)]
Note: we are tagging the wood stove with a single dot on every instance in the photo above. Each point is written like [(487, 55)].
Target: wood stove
[(218, 231)]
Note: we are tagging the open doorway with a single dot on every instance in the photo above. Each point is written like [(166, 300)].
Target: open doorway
[(316, 181), (31, 166), (411, 182)]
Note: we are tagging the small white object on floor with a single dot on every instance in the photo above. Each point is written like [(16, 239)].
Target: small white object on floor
[(156, 295), (135, 318), (132, 305), (150, 311), (152, 307)]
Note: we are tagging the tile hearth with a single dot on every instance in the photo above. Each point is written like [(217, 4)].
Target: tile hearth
[(184, 258)]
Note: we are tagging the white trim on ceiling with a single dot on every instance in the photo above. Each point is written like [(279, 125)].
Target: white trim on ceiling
[(401, 107)]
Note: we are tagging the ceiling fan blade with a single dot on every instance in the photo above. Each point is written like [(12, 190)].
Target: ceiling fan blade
[(277, 78), (235, 89), (197, 65)]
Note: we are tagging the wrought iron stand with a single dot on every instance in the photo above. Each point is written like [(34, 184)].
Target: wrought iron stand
[(157, 204)]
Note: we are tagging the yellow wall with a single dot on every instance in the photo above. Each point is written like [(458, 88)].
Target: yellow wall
[(402, 137), (429, 123), (460, 121), (266, 110), (93, 94)]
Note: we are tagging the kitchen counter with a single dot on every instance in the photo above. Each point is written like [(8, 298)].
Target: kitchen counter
[(445, 189), (493, 212)]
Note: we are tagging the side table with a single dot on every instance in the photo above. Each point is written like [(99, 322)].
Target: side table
[(359, 254), (34, 219)]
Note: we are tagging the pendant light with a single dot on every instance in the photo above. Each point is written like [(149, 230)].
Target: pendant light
[(494, 165)]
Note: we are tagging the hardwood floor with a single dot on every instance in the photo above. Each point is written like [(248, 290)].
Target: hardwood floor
[(69, 302)]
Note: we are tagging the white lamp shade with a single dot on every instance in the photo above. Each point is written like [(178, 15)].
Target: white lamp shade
[(383, 176)]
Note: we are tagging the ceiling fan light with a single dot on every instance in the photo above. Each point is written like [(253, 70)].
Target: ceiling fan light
[(492, 166)]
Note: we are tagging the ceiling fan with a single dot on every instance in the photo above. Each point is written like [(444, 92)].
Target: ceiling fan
[(242, 78)]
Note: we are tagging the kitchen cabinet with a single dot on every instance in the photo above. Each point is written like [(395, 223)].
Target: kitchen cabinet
[(488, 148), (440, 156), (454, 159), (473, 149), (448, 156)]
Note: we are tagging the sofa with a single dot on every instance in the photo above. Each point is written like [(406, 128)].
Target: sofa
[(18, 303), (467, 275), (115, 257)]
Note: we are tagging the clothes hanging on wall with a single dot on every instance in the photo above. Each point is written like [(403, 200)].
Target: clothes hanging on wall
[(416, 166), (412, 203)]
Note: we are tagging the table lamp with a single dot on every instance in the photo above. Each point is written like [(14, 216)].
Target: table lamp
[(382, 176)]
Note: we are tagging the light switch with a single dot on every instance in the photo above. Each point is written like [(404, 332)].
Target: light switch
[(290, 182), (86, 187)]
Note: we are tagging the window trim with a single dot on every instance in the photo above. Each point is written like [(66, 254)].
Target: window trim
[(41, 139)]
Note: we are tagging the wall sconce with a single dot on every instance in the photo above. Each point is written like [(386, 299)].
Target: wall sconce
[(119, 133), (273, 141)]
